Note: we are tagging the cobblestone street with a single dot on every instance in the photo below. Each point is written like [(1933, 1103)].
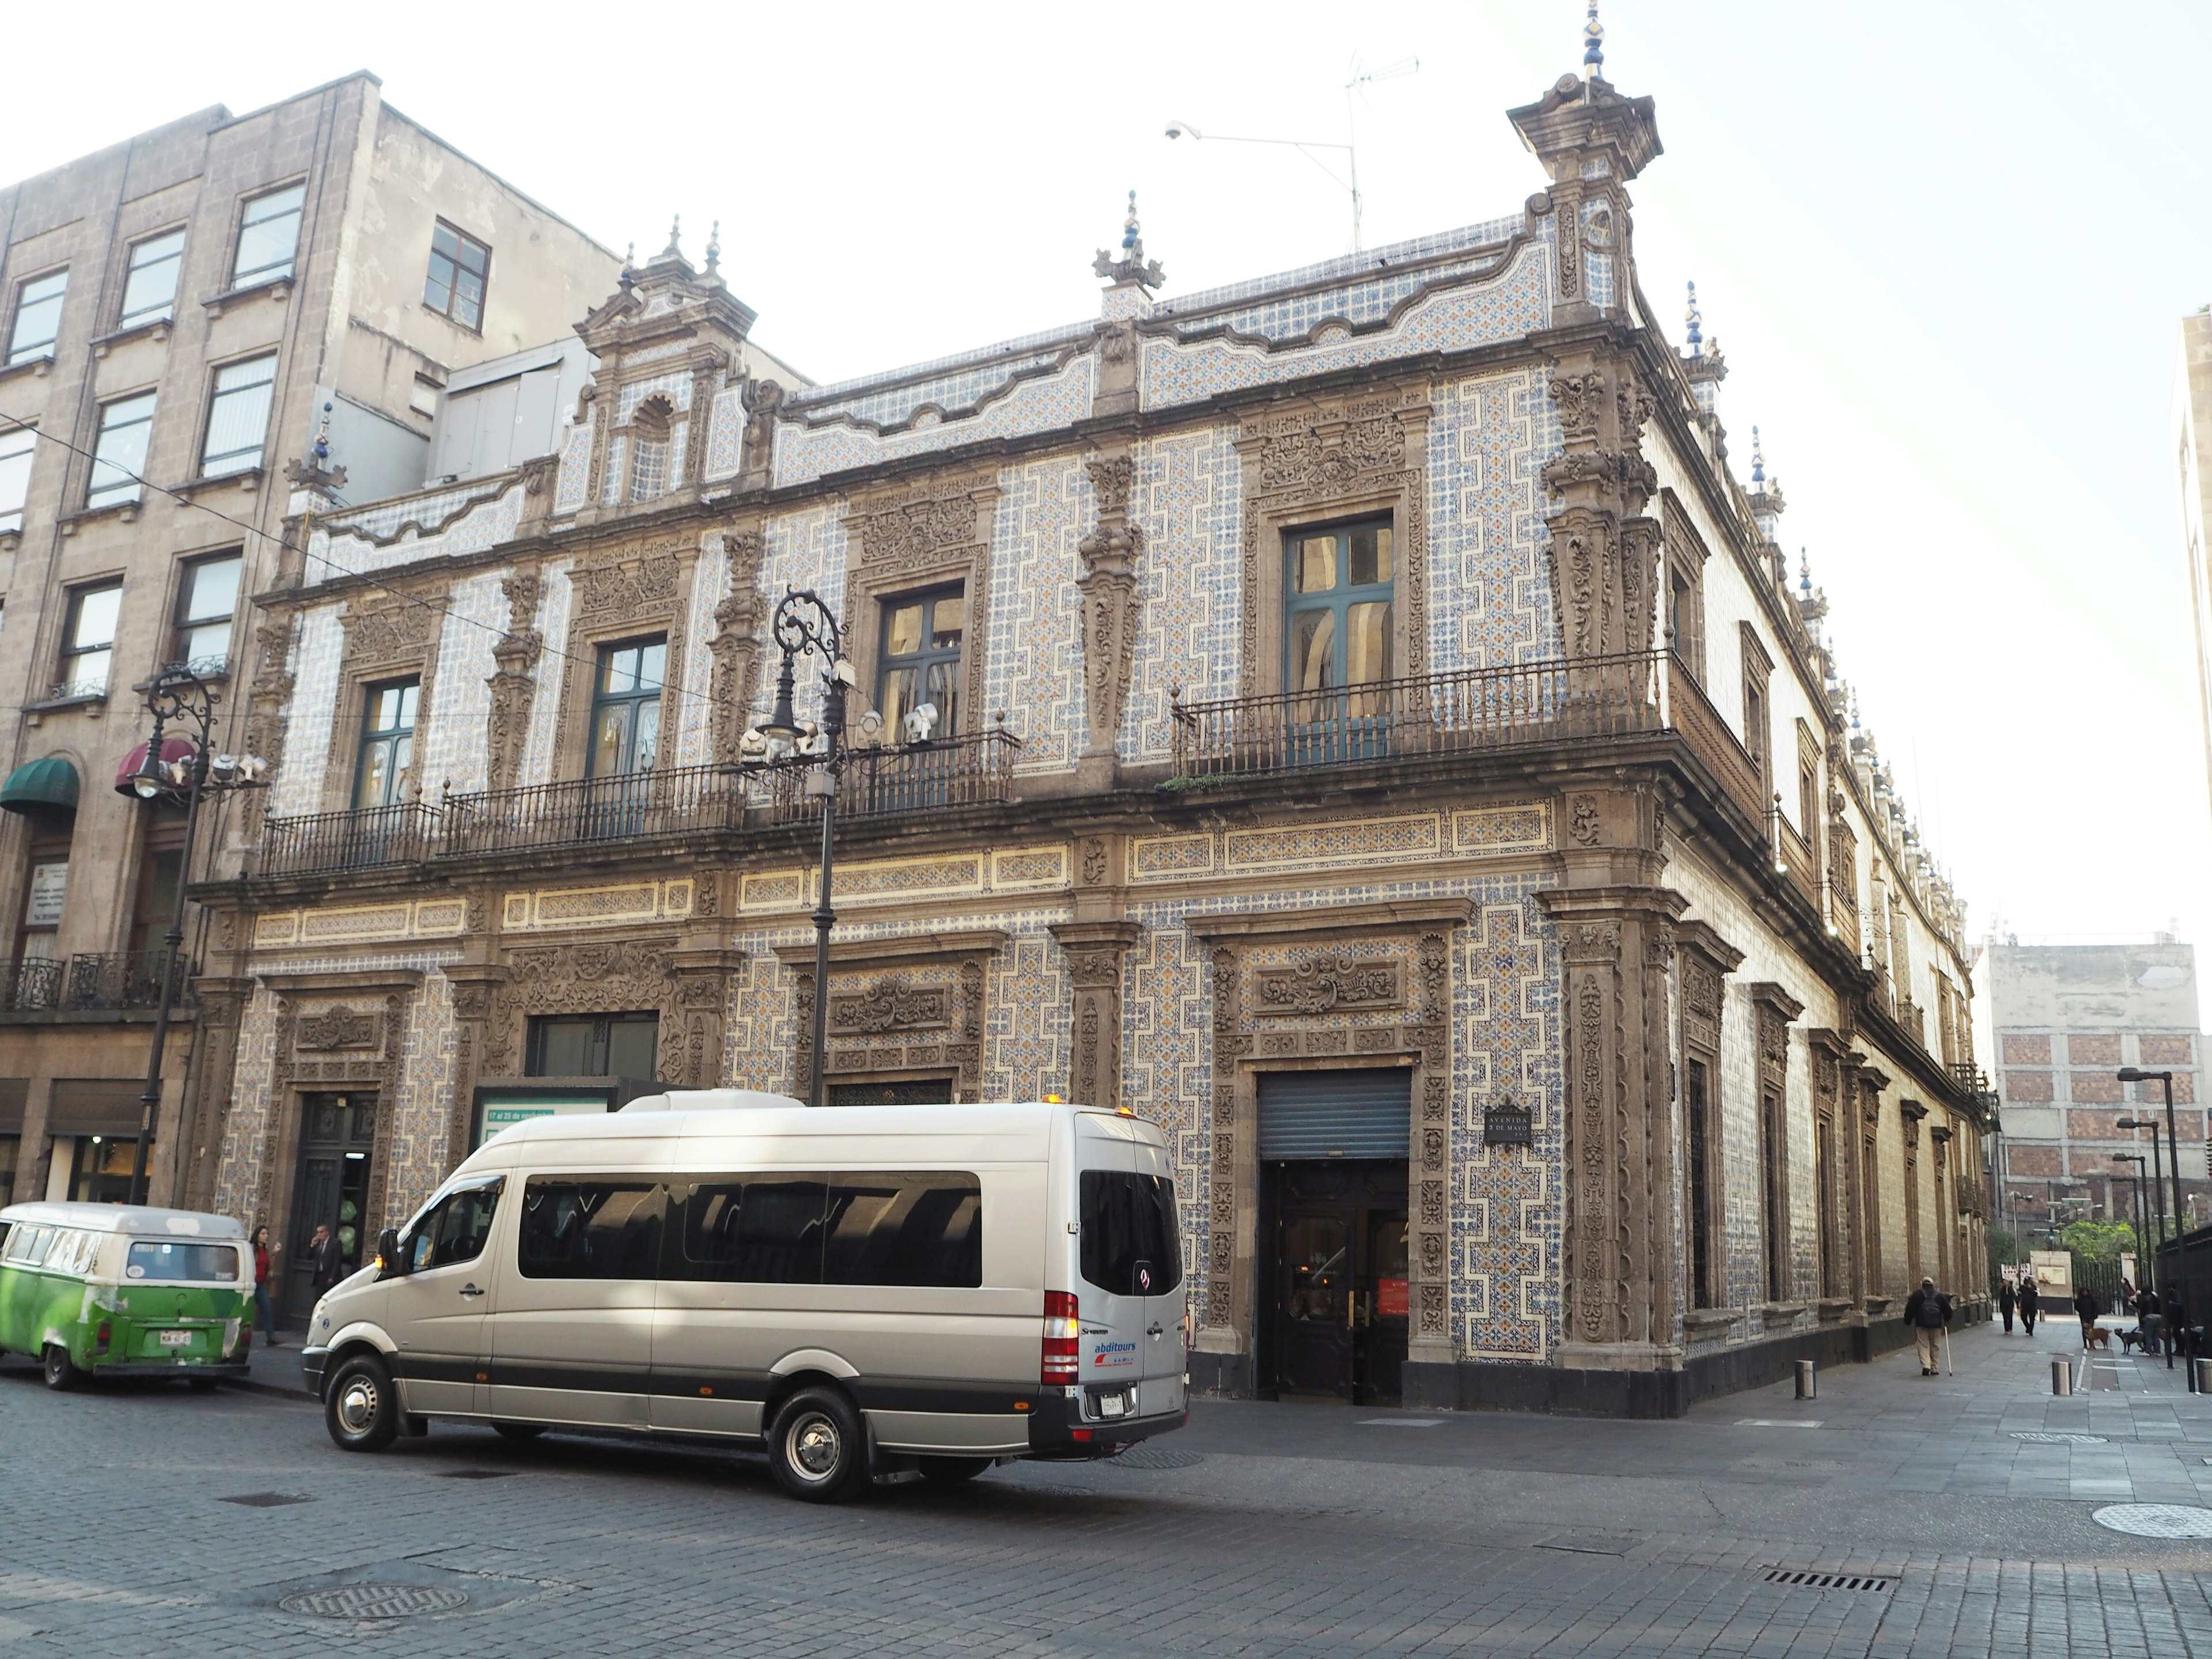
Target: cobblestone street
[(151, 1521)]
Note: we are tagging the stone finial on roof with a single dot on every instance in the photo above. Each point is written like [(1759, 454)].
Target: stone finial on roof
[(1132, 268), (674, 249), (1593, 45), (715, 248), (629, 265), (1695, 319), (1757, 464)]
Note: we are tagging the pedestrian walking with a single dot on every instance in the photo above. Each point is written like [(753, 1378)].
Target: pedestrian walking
[(2149, 1321), (2006, 1301), (262, 1310), (325, 1258), (2030, 1300), (1928, 1310), (2086, 1309)]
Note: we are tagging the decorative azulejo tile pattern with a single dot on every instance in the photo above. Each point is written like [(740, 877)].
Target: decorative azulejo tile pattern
[(1188, 500), (801, 550), (423, 1116), (675, 387), (451, 731), (1488, 234), (1490, 586), (710, 580), (726, 431), (610, 486), (552, 626), (953, 395), (570, 492), (1033, 666), (1041, 405), (298, 786), (1495, 306), (1027, 1009), (429, 513), (1367, 302)]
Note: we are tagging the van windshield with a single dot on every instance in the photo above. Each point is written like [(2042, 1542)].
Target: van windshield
[(1130, 1244), (183, 1264)]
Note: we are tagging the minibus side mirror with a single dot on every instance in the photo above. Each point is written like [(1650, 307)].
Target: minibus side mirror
[(388, 1264)]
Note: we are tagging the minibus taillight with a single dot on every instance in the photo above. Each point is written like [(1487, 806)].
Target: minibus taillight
[(103, 1336), (1063, 1338)]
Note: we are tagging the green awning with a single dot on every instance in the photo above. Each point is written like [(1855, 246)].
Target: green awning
[(48, 782)]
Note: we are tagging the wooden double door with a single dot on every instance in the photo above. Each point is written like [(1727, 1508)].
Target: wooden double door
[(1335, 1288), (338, 1137)]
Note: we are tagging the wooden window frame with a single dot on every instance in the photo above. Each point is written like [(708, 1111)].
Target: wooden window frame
[(1341, 597), (453, 287), (366, 735), (1686, 556), (1758, 705), (662, 694), (924, 658)]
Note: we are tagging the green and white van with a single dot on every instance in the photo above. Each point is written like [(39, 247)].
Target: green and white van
[(117, 1290)]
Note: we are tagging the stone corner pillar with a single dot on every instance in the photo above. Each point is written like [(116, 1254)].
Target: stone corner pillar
[(1096, 952)]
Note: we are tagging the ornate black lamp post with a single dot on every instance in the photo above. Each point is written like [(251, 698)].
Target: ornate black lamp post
[(804, 624), (2148, 1266), (177, 696)]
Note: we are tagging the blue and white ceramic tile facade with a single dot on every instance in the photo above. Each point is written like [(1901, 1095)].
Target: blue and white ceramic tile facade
[(449, 729), (1188, 498), (1490, 586), (1043, 405), (297, 786), (1357, 303), (694, 676), (803, 551), (1032, 666), (553, 602), (573, 486), (725, 432)]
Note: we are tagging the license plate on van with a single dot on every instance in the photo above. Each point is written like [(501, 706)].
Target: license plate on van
[(176, 1339), (1112, 1405)]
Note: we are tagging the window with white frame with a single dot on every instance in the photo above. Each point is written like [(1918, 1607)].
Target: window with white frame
[(207, 601), (149, 293), (16, 448), (238, 417), (119, 458), (268, 237), (38, 317), (88, 641)]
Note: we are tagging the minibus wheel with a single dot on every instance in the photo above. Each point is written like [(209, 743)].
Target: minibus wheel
[(950, 1471), (61, 1370), (817, 1449), (361, 1408)]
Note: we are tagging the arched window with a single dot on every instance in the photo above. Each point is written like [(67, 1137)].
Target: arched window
[(649, 448)]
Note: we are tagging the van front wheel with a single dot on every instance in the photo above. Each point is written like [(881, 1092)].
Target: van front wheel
[(817, 1449), (61, 1371), (359, 1406)]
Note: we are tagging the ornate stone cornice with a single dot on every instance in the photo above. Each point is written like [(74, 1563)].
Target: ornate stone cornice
[(1390, 915)]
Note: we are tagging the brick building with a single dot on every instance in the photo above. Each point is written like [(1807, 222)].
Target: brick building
[(1375, 735)]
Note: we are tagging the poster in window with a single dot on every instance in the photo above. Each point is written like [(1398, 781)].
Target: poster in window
[(49, 883)]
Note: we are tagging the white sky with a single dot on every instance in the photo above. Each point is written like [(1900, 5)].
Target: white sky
[(1945, 249)]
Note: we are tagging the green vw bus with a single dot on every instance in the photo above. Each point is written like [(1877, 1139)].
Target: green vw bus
[(115, 1289)]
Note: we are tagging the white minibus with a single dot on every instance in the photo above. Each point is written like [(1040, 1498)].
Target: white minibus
[(862, 1290)]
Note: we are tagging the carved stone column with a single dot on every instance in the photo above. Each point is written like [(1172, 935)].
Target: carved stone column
[(206, 1117), (513, 682), (266, 701), (703, 1002), (474, 987), (1835, 1087), (1108, 583), (1096, 950), (1604, 551), (736, 645)]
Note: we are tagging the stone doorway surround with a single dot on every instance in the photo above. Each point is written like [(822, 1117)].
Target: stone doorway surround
[(1345, 987)]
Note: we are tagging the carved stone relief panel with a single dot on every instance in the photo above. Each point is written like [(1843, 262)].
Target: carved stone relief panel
[(932, 534), (388, 637), (266, 701), (598, 977), (514, 680), (1095, 951), (736, 645), (907, 1007), (1109, 584), (622, 590)]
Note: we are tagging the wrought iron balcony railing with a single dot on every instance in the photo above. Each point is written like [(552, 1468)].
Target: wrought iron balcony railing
[(92, 981), (638, 807)]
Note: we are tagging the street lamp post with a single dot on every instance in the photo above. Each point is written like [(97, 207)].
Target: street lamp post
[(804, 624), (2130, 1074), (177, 696), (2147, 1267), (2157, 1168)]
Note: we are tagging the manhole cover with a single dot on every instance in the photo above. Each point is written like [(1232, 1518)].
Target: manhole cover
[(374, 1602), (2156, 1520), (267, 1500), (1157, 1457), (2037, 1437)]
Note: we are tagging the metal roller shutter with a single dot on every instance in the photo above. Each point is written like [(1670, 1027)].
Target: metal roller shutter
[(94, 1106), (1306, 1114)]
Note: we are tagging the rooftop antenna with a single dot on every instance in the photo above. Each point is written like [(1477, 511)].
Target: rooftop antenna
[(1397, 71)]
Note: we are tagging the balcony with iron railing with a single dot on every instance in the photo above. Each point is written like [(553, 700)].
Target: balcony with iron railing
[(108, 981), (638, 808)]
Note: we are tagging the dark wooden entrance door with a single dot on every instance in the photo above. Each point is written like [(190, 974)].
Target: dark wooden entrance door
[(336, 1132), (1334, 1299)]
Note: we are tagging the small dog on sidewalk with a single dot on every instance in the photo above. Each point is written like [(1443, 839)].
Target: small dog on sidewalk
[(2095, 1336)]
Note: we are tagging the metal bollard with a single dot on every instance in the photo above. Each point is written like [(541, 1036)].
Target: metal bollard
[(2200, 1371), (2062, 1377), (1808, 1387)]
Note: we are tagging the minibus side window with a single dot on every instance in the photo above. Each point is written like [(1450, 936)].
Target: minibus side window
[(1129, 1224), (590, 1228), (193, 1264), (72, 1251), (34, 1250), (455, 1231), (752, 1230), (923, 1228)]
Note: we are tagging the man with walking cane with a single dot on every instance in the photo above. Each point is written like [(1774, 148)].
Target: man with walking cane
[(1928, 1310)]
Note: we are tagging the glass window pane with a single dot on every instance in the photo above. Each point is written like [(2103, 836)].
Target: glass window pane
[(442, 241), (206, 648), (909, 1229), (944, 692), (96, 611), (183, 1264), (902, 633), (646, 742), (1367, 642), (38, 318), (150, 293), (899, 697), (1313, 567), (408, 694), (607, 746), (87, 674), (269, 236), (631, 1046), (590, 1229), (949, 618), (1313, 650), (238, 417), (15, 451), (1130, 1241), (375, 787), (1371, 555), (766, 1230), (618, 671), (211, 590), (120, 457), (652, 664)]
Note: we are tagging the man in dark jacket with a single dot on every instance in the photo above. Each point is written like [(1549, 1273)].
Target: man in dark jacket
[(2029, 1301), (2005, 1300), (1928, 1310), (2086, 1309), (327, 1260)]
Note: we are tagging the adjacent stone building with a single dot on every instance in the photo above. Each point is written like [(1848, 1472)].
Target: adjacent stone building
[(1369, 730), (177, 313), (2064, 1019), (2193, 458)]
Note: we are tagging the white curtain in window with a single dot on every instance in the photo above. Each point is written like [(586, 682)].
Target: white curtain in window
[(238, 417)]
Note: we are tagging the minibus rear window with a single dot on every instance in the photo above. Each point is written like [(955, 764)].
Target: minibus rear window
[(589, 1228), (28, 1245), (183, 1264), (1130, 1241)]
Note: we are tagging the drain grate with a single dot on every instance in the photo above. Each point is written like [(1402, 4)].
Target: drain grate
[(374, 1602), (1797, 1579), (267, 1500), (2039, 1437), (474, 1474), (1157, 1457)]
